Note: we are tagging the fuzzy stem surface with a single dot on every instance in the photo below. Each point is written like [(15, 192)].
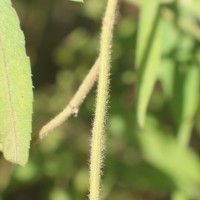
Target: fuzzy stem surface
[(97, 143), (73, 106)]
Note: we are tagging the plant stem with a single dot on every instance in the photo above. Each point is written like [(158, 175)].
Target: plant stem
[(102, 98), (73, 107)]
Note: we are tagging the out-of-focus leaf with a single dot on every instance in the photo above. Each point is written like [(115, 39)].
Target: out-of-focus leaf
[(190, 8), (180, 81), (177, 195), (27, 173), (93, 9), (197, 124), (167, 77), (164, 152), (59, 193), (185, 85), (184, 48), (16, 88), (144, 175), (148, 55), (190, 99), (188, 13), (170, 36), (81, 180)]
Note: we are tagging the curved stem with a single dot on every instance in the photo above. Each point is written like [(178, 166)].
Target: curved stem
[(102, 98), (73, 107)]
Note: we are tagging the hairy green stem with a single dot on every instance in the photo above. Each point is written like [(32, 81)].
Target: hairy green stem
[(97, 148), (73, 107)]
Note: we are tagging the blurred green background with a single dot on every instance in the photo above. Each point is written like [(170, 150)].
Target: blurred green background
[(62, 40)]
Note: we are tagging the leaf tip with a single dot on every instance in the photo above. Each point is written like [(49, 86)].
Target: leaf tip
[(140, 119)]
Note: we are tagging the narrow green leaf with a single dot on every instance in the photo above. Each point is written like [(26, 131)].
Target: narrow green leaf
[(170, 41), (167, 77), (170, 36), (189, 102), (148, 55), (180, 80), (16, 88)]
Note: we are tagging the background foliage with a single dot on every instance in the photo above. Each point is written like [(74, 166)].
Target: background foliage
[(62, 40)]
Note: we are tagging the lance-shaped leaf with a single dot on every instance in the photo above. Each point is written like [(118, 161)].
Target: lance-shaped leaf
[(170, 41), (15, 88), (148, 55), (189, 103)]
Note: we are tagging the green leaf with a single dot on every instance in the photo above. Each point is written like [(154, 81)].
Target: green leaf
[(190, 8), (143, 175), (167, 77), (189, 102), (170, 36), (188, 12), (16, 88), (180, 81), (148, 55), (164, 152)]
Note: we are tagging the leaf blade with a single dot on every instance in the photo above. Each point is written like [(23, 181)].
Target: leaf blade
[(148, 55), (16, 88), (190, 103), (163, 151)]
